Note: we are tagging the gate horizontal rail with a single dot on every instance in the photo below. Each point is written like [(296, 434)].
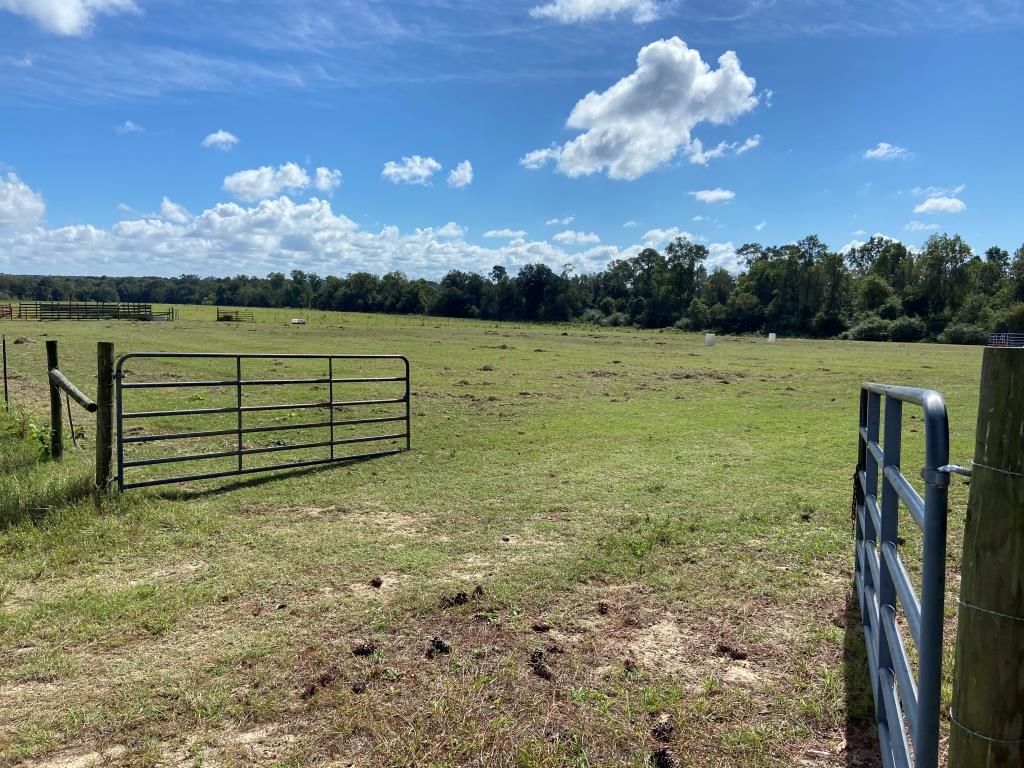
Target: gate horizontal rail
[(906, 706), (238, 385)]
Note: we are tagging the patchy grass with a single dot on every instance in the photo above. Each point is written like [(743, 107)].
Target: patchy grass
[(659, 531)]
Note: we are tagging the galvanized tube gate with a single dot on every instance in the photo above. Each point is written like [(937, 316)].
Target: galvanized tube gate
[(239, 431), (906, 706)]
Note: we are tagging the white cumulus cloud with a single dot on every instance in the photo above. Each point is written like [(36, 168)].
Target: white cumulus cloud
[(712, 196), (723, 255), (920, 226), (21, 207), (572, 237), (174, 212), (461, 176), (569, 11), (643, 120), (505, 233), (222, 140), (656, 236), (858, 243), (412, 170), (941, 205), (885, 151), (451, 229), (327, 179), (265, 182), (70, 18), (272, 235)]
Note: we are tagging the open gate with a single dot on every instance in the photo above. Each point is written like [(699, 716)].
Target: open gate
[(331, 404), (906, 705)]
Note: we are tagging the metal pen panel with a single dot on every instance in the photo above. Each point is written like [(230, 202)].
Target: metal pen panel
[(240, 429), (906, 708)]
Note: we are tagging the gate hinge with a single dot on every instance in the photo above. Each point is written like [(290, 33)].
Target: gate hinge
[(937, 477)]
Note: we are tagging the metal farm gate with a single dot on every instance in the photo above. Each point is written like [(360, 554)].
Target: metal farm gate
[(244, 422), (906, 706)]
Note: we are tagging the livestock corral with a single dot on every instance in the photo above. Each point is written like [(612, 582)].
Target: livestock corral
[(604, 548)]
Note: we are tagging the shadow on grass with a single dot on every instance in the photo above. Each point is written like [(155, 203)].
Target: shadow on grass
[(256, 480), (862, 750)]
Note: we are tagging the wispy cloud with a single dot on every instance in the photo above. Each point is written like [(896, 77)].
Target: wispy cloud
[(712, 196), (128, 127), (571, 11), (886, 151)]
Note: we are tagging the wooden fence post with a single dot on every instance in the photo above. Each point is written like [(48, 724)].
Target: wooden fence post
[(56, 417), (104, 412), (7, 398), (987, 727)]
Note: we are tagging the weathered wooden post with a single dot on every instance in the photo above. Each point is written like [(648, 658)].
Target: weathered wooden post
[(104, 412), (987, 716), (7, 399), (56, 415)]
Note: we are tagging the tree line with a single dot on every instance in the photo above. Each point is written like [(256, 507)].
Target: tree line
[(880, 290)]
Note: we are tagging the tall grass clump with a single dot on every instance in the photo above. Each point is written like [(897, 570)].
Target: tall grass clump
[(30, 484)]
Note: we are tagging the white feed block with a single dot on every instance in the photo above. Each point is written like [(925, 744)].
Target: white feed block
[(709, 339), (298, 321), (771, 338)]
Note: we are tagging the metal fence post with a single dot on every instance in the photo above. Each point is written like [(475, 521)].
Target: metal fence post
[(56, 415), (104, 412)]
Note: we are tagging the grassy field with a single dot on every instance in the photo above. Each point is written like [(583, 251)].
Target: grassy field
[(652, 538)]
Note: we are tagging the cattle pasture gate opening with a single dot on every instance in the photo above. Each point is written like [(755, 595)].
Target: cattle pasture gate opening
[(235, 316), (231, 414), (906, 709)]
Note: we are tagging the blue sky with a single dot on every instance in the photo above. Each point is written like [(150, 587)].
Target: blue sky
[(337, 134)]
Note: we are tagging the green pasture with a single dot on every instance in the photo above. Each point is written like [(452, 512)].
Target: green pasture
[(604, 543)]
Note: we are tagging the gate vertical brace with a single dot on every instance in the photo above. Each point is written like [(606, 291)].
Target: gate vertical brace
[(330, 400), (889, 533), (933, 582), (408, 400), (870, 546), (238, 401), (118, 376)]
